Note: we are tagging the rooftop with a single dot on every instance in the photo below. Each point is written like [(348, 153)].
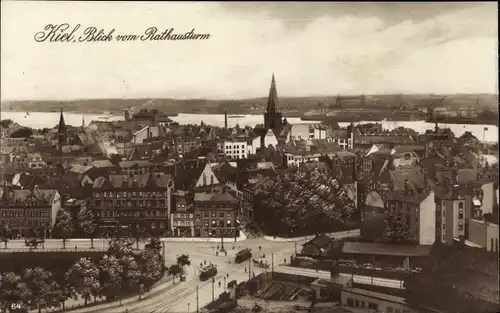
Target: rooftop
[(385, 249), (375, 295)]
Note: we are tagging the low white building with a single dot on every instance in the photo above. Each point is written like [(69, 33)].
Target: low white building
[(147, 132)]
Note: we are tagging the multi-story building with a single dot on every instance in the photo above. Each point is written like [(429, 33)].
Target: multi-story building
[(28, 161), (124, 200), (146, 133), (236, 148), (307, 131), (418, 211), (25, 210), (215, 213), (341, 136), (182, 216), (451, 219)]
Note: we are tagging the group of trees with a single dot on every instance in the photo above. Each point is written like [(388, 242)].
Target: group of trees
[(176, 270), (120, 271), (396, 231), (302, 201)]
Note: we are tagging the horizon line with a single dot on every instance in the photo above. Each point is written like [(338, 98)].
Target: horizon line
[(255, 98)]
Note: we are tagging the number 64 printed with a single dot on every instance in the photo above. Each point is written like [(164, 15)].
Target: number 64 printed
[(15, 306)]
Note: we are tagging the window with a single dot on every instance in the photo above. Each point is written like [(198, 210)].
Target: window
[(444, 237), (350, 302), (389, 309), (206, 223), (356, 303), (221, 214), (460, 205), (362, 304), (397, 311), (214, 214), (461, 215), (373, 306), (460, 226)]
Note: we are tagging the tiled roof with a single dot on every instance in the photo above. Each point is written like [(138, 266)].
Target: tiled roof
[(157, 180), (320, 241), (214, 197), (415, 176)]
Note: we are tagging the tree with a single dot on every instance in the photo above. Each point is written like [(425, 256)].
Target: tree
[(130, 274), (119, 247), (64, 225), (83, 276), (39, 282), (13, 290), (110, 276), (87, 222), (183, 260), (152, 267), (175, 270), (396, 231), (138, 233), (5, 234), (63, 292), (22, 133), (154, 244)]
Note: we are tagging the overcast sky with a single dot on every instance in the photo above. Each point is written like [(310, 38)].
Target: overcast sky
[(313, 49)]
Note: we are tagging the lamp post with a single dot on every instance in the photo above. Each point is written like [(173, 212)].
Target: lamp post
[(188, 304), (213, 291), (197, 301)]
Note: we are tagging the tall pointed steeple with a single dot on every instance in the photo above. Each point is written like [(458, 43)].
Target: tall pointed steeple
[(272, 100), (61, 131), (272, 117), (62, 125)]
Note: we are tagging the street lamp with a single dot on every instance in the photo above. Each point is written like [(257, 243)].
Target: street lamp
[(188, 306), (213, 291)]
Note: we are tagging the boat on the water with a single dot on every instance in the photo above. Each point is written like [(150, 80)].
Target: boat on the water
[(236, 116)]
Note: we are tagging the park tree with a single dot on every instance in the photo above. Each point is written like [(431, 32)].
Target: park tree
[(5, 234), (64, 225), (110, 271), (62, 292), (138, 233), (154, 244), (130, 273), (151, 266), (396, 230), (183, 260), (175, 270), (83, 276), (119, 247), (87, 222), (13, 290), (39, 282)]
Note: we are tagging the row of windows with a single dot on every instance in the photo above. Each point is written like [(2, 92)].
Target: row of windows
[(124, 203), (218, 223), (29, 213), (153, 213), (124, 194), (183, 223), (29, 223)]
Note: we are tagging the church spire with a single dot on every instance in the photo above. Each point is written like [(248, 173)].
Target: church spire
[(272, 100), (62, 125)]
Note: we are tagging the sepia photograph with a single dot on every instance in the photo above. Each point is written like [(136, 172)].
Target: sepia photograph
[(237, 157)]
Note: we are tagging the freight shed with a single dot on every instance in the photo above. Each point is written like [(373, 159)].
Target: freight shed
[(382, 255)]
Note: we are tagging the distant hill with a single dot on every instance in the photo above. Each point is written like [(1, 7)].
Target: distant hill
[(290, 106)]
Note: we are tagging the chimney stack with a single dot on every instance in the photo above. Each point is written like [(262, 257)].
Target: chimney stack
[(225, 119)]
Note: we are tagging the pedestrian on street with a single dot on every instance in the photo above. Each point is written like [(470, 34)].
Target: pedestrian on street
[(205, 262), (219, 283), (284, 260), (260, 248), (76, 248), (216, 253), (245, 269), (217, 247), (225, 252), (201, 264)]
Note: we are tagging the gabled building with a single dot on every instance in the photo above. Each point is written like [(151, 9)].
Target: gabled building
[(215, 213), (24, 210)]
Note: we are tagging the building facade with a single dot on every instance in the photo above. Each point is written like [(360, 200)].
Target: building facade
[(25, 210), (215, 214), (124, 200)]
